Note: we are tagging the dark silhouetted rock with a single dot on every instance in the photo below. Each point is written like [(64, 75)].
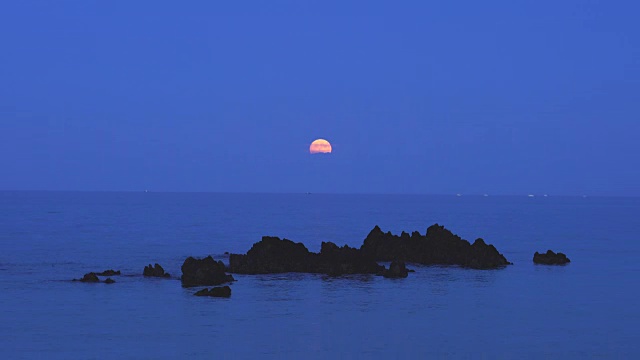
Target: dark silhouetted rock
[(155, 271), (223, 291), (335, 261), (109, 272), (93, 278), (89, 278), (550, 258), (438, 247), (272, 255), (203, 292), (397, 269), (203, 272)]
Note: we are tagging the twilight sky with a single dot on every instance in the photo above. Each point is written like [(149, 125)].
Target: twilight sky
[(437, 97)]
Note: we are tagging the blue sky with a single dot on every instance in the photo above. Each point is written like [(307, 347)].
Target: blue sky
[(437, 97)]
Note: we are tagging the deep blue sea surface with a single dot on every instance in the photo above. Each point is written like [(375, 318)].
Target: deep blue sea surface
[(587, 309)]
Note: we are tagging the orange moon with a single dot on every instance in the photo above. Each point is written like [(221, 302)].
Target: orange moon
[(320, 146)]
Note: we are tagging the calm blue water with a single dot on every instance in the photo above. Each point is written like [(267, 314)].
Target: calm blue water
[(588, 309)]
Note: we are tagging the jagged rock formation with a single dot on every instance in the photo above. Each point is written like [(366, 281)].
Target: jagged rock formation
[(550, 258), (273, 255), (155, 271), (438, 247), (204, 272)]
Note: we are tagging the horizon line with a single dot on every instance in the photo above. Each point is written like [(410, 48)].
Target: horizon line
[(531, 195)]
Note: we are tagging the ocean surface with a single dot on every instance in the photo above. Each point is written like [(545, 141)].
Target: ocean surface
[(587, 309)]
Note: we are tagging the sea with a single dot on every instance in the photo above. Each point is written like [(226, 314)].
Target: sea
[(586, 309)]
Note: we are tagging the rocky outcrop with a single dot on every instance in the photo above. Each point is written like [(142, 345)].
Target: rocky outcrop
[(223, 291), (93, 278), (438, 247), (397, 269), (273, 255), (204, 272), (109, 272), (89, 278), (335, 261), (550, 258), (155, 271)]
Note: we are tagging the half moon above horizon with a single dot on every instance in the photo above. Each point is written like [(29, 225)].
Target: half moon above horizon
[(320, 146)]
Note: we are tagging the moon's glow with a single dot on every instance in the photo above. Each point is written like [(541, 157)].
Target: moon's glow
[(320, 146)]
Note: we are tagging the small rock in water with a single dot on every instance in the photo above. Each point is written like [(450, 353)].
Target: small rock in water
[(222, 291), (89, 277), (550, 258), (397, 269), (155, 271), (204, 272), (109, 281)]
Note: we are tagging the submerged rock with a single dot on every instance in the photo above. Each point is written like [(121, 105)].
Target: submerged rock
[(550, 258), (223, 291), (109, 272), (109, 281), (199, 272), (397, 269), (438, 247), (155, 271), (274, 255)]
